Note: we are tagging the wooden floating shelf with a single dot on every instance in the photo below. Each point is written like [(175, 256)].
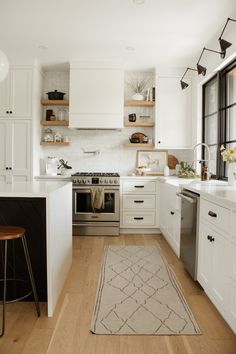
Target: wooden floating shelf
[(140, 124), (64, 123), (134, 103), (55, 102), (139, 144), (45, 143)]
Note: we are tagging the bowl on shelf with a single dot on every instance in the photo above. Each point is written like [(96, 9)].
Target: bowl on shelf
[(134, 140)]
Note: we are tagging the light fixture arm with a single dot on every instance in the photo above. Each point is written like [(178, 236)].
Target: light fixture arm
[(211, 50), (186, 72), (228, 19)]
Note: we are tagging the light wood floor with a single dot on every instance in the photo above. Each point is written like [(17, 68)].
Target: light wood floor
[(68, 331)]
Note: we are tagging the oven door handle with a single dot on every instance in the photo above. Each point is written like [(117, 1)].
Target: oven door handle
[(189, 199)]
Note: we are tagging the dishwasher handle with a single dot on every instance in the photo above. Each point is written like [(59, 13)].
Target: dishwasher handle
[(189, 199)]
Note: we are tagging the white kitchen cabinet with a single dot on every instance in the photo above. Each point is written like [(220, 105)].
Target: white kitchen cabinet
[(96, 97), (170, 215), (139, 203), (16, 94), (213, 267), (173, 114), (15, 150)]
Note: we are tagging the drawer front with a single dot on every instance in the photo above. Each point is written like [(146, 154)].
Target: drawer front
[(138, 186), (233, 261), (216, 215), (138, 219), (233, 225), (139, 202)]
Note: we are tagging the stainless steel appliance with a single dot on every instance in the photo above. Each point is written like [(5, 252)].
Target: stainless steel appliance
[(88, 220), (189, 231)]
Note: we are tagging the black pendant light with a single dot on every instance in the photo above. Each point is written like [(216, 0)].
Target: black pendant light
[(223, 43), (184, 84), (201, 70)]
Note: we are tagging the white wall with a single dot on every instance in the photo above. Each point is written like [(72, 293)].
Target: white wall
[(113, 157)]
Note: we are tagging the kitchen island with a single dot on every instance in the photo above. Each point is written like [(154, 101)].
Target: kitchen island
[(44, 209)]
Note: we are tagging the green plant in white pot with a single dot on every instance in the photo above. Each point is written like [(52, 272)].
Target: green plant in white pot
[(64, 167)]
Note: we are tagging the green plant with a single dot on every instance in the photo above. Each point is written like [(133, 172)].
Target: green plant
[(64, 164), (186, 170), (138, 85)]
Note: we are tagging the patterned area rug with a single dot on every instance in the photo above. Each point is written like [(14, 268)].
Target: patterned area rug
[(138, 294)]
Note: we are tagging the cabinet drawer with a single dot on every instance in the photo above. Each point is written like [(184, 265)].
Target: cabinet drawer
[(138, 186), (139, 201), (233, 261), (216, 215), (138, 219), (233, 225)]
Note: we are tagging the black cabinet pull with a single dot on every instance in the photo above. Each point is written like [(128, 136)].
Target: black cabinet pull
[(172, 213), (10, 112), (138, 218), (10, 168), (212, 214), (138, 186), (159, 142), (212, 239), (138, 201), (208, 237), (7, 112), (6, 168)]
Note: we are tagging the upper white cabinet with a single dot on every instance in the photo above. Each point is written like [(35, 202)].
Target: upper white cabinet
[(15, 150), (16, 94), (173, 114), (96, 97)]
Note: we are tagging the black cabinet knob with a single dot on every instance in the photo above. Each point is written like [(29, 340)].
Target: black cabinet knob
[(6, 168), (10, 112), (7, 112), (10, 168), (212, 214), (159, 142), (172, 213)]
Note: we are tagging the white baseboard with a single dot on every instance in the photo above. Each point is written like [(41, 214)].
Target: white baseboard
[(139, 231)]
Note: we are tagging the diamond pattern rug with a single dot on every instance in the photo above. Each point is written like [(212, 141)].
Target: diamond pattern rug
[(138, 294)]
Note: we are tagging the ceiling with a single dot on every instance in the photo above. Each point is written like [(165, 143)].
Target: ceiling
[(156, 33)]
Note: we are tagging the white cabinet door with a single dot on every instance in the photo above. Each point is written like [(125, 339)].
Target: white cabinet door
[(4, 143), (96, 98), (205, 253), (15, 150), (174, 118), (16, 94)]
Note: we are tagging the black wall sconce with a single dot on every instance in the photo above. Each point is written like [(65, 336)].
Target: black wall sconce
[(223, 46), (184, 84), (202, 69), (223, 43)]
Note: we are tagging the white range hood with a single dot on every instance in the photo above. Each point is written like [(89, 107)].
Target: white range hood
[(96, 96)]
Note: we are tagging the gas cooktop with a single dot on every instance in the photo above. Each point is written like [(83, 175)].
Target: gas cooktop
[(96, 178), (93, 174)]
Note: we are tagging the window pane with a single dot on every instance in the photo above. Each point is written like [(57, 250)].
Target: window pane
[(212, 162), (231, 86), (210, 97), (211, 129), (231, 123)]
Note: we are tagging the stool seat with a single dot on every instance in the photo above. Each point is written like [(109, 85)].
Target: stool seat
[(11, 232)]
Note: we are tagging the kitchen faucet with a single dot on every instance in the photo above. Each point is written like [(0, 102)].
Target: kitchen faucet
[(205, 175)]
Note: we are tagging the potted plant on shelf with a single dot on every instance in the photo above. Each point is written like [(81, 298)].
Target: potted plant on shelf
[(138, 87), (63, 165)]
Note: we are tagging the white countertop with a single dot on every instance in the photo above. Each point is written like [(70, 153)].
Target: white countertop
[(57, 177), (37, 189)]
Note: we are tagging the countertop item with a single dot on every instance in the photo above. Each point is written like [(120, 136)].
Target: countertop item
[(172, 161), (55, 95)]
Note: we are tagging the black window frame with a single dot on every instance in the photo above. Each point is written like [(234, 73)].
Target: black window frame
[(221, 79)]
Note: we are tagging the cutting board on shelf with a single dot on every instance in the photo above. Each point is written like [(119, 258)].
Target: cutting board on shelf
[(172, 162)]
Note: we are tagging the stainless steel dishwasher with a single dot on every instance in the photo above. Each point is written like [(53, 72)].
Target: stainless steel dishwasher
[(189, 231)]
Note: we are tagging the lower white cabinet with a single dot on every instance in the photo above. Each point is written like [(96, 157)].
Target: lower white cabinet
[(15, 150), (217, 259), (139, 202), (170, 215)]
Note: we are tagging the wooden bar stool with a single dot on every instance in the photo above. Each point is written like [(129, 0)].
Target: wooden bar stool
[(9, 233)]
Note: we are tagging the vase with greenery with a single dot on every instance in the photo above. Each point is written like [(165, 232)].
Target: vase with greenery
[(229, 156), (63, 165), (138, 87)]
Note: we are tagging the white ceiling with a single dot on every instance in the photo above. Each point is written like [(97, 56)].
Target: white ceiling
[(162, 32)]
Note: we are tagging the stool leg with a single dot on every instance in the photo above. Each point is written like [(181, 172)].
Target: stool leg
[(4, 290), (27, 258)]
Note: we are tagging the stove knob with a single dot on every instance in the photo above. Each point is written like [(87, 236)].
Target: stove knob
[(74, 181), (105, 181), (111, 181), (83, 181), (116, 181)]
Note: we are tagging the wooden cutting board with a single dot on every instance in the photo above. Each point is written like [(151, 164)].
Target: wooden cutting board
[(172, 162)]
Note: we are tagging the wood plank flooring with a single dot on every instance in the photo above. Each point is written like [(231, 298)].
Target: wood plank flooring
[(68, 331)]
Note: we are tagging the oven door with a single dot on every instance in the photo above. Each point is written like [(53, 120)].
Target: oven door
[(82, 210)]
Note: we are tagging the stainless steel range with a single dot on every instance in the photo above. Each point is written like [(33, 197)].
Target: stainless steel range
[(89, 219)]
